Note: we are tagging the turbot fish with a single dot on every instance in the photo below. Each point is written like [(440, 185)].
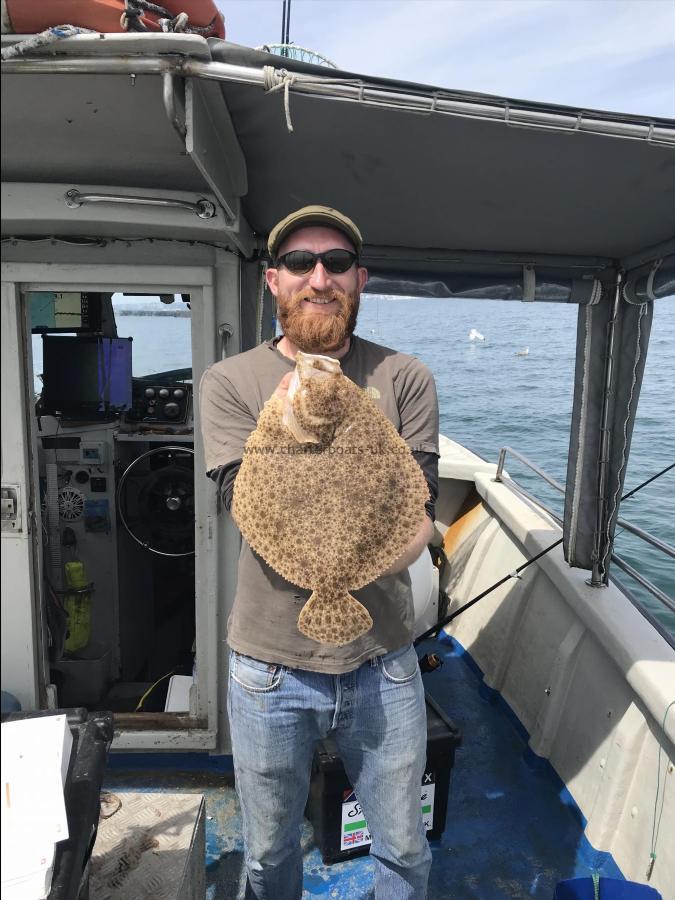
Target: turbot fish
[(328, 494)]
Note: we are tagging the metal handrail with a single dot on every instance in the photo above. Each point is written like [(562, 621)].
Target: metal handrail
[(622, 523), (646, 584), (356, 90), (74, 199), (535, 468), (647, 537), (519, 489)]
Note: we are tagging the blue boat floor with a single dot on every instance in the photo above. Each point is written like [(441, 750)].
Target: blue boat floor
[(511, 830)]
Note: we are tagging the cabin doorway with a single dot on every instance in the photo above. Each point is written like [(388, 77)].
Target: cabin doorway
[(113, 423)]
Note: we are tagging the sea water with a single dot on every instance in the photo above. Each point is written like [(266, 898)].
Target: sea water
[(493, 394)]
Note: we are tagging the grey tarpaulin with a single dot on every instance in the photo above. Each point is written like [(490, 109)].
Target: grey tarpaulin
[(591, 503), (498, 287), (656, 279), (257, 321), (450, 184)]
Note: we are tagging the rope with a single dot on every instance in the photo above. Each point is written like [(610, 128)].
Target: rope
[(131, 19), (38, 41), (656, 827), (280, 79), (624, 450), (260, 305), (146, 6), (581, 444), (276, 79), (178, 24), (204, 30), (650, 280)]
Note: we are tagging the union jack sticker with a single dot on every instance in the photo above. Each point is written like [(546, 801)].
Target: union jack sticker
[(355, 831)]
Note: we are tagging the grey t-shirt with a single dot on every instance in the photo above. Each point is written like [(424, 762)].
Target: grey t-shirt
[(263, 621)]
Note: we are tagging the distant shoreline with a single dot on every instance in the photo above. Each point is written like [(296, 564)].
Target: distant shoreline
[(175, 313)]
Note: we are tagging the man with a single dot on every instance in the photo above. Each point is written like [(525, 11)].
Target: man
[(287, 691)]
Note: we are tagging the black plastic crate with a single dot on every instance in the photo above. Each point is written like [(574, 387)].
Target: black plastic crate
[(92, 735), (340, 830)]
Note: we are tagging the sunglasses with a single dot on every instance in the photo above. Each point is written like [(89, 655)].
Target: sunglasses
[(301, 262)]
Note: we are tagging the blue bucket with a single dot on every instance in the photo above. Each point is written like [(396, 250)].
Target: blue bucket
[(9, 703), (608, 889)]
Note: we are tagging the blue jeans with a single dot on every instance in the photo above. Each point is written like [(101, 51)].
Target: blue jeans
[(377, 717)]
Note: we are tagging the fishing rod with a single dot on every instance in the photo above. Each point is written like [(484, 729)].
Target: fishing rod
[(648, 481), (426, 663)]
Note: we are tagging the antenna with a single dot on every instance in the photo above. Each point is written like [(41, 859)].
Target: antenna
[(290, 50), (288, 23), (285, 25)]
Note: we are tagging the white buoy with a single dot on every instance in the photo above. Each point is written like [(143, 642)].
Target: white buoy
[(476, 335)]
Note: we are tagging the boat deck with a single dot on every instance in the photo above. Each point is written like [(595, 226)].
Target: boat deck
[(512, 828)]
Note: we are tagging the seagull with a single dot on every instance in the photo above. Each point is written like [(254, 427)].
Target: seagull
[(524, 352), (476, 335)]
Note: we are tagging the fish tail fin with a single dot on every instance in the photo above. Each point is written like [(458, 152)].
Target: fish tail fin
[(334, 618)]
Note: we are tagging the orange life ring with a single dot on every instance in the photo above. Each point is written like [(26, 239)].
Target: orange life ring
[(109, 15)]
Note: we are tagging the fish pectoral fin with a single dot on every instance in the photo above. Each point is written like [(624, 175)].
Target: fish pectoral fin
[(335, 618)]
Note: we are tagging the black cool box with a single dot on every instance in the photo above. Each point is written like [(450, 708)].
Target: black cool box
[(340, 829)]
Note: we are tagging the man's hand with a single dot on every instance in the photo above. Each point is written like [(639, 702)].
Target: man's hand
[(282, 387), (414, 548)]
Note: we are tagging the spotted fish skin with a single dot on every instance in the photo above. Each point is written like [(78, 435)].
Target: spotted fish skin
[(333, 515), (332, 616)]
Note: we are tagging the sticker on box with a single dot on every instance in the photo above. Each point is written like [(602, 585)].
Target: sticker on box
[(354, 832)]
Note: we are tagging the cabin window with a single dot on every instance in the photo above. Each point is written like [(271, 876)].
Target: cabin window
[(161, 326)]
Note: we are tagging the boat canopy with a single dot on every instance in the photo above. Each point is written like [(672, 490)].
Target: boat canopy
[(457, 195), (422, 170), (440, 182)]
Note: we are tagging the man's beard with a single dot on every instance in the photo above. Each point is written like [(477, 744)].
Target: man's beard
[(317, 332)]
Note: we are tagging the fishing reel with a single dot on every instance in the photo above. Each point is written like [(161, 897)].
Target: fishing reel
[(430, 662)]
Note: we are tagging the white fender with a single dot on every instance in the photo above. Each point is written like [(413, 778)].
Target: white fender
[(424, 583)]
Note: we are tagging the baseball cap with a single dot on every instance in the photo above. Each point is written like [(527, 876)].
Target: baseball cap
[(314, 215)]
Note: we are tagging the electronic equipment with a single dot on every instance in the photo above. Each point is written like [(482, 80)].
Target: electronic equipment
[(65, 311), (160, 403), (85, 377)]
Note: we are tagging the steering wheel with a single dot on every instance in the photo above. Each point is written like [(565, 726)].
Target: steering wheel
[(161, 515)]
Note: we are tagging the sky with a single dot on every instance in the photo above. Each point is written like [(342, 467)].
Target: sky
[(614, 55)]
